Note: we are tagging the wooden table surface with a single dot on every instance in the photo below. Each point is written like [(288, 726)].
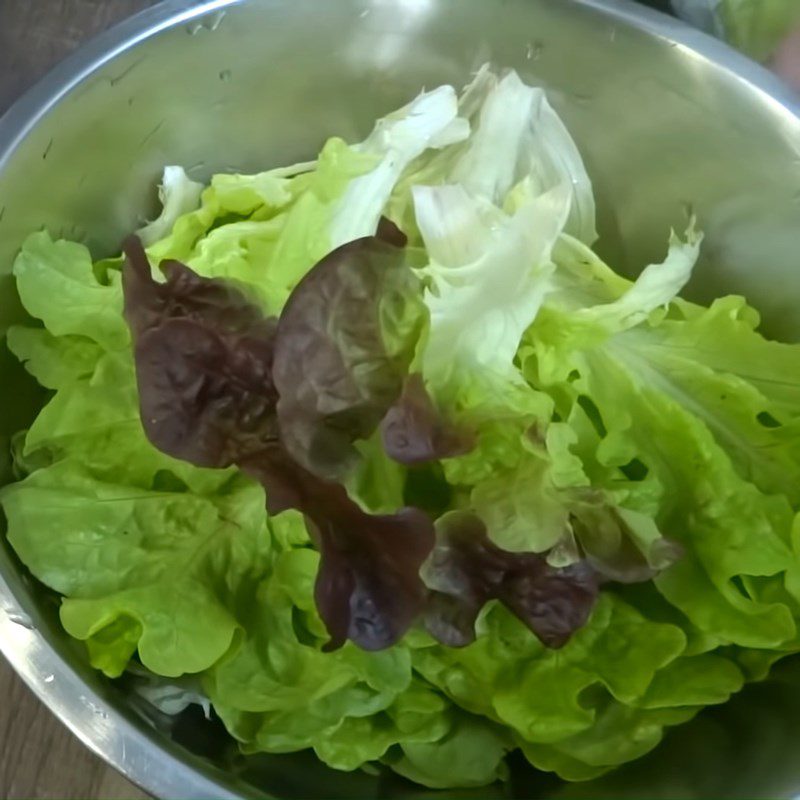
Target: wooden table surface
[(39, 758)]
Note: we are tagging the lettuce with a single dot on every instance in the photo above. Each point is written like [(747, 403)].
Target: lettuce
[(413, 493), (730, 504), (179, 195), (152, 571), (336, 389), (220, 385), (57, 284), (758, 27), (754, 26), (488, 276)]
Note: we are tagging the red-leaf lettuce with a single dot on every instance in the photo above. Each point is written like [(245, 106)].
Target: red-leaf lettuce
[(204, 359), (466, 571), (345, 340), (414, 432)]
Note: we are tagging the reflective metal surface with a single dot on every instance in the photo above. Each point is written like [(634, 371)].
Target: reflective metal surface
[(670, 121)]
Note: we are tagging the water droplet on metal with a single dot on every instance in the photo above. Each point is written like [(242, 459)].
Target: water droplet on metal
[(364, 13), (21, 619), (93, 707), (533, 51), (581, 98), (226, 75), (49, 678), (216, 21), (206, 24)]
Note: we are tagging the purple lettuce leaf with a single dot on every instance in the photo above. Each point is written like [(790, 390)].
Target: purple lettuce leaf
[(344, 344), (368, 586), (466, 570), (214, 377), (204, 359), (414, 432)]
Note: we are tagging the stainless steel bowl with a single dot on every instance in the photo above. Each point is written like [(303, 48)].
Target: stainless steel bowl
[(668, 119)]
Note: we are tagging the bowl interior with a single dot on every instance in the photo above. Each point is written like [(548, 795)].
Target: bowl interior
[(670, 123)]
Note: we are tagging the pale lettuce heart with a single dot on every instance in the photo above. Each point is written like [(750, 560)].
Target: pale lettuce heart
[(179, 195), (429, 121), (519, 136), (488, 275), (655, 288)]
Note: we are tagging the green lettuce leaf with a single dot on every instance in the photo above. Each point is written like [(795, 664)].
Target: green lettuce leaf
[(84, 355), (277, 691), (155, 571), (53, 360), (623, 677), (471, 754), (757, 26), (753, 26), (346, 194), (692, 431), (57, 284)]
